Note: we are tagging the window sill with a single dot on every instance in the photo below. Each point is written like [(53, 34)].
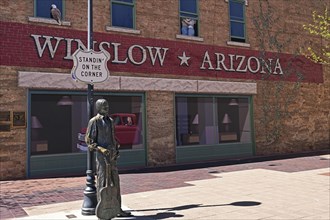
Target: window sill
[(48, 21), (122, 30), (185, 37), (238, 44)]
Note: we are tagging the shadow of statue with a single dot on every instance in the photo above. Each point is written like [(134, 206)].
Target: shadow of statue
[(184, 207), (160, 215), (168, 214)]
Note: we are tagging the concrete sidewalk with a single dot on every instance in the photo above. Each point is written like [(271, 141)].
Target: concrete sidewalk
[(295, 188)]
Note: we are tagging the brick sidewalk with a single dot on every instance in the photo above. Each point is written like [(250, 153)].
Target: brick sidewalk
[(22, 194)]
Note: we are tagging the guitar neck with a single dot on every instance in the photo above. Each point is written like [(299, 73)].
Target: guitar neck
[(107, 173)]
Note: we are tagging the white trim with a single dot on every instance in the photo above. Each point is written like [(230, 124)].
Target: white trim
[(47, 21), (185, 37), (122, 30), (238, 44), (61, 81)]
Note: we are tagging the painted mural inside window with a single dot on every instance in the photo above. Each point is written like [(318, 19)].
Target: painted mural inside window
[(189, 17), (58, 122), (43, 7), (212, 120)]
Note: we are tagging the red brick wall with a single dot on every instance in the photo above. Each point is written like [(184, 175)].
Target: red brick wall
[(18, 49)]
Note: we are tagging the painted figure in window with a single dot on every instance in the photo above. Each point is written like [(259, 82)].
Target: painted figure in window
[(100, 137), (129, 121), (188, 26), (55, 13)]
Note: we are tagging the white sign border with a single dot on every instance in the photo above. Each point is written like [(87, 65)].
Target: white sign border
[(75, 64)]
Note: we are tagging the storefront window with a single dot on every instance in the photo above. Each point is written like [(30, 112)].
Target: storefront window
[(58, 122), (212, 120)]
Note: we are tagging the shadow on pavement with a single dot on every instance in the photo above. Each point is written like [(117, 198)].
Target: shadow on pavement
[(160, 215), (169, 214), (184, 207)]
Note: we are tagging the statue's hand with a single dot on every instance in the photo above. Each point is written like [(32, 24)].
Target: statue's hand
[(104, 151), (92, 147), (116, 154)]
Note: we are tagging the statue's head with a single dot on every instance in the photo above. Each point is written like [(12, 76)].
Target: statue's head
[(102, 106)]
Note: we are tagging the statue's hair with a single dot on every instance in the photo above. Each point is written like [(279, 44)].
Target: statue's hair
[(99, 103)]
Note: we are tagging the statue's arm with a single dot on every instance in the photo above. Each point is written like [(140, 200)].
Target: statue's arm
[(91, 135), (115, 145), (91, 138)]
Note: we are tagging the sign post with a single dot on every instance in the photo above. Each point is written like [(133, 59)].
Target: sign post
[(90, 67)]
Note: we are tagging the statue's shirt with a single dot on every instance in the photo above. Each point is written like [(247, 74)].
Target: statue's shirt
[(100, 132)]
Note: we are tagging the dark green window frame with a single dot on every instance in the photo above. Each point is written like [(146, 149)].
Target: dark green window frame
[(237, 20), (53, 165), (219, 104)]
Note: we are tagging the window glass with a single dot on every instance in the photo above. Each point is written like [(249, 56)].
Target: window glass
[(237, 20), (122, 14), (188, 6), (212, 120), (117, 120), (58, 122), (43, 7), (233, 120), (237, 29), (189, 20), (236, 10)]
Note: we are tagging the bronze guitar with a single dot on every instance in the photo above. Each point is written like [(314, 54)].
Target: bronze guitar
[(108, 207)]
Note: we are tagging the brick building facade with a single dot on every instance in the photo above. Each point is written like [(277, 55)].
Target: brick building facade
[(210, 96)]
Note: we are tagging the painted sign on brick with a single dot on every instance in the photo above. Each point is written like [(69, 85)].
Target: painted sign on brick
[(53, 48)]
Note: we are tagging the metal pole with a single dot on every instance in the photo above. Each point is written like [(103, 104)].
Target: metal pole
[(90, 201), (90, 25)]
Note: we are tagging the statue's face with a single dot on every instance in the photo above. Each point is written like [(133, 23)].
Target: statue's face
[(104, 108)]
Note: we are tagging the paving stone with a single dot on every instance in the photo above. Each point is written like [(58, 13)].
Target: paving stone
[(242, 191)]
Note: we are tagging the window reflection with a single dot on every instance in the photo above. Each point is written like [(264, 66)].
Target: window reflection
[(58, 123), (212, 120)]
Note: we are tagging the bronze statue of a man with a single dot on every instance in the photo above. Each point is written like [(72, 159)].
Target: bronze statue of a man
[(100, 136)]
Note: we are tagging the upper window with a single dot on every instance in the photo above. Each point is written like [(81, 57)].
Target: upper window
[(42, 7), (189, 17), (123, 13), (237, 20)]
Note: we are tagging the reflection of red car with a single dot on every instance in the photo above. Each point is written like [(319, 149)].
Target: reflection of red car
[(126, 130)]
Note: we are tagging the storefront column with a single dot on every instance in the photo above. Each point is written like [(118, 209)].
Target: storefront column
[(160, 128)]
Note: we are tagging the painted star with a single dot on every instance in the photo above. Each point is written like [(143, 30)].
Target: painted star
[(184, 59)]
